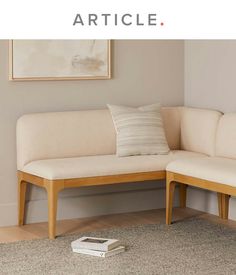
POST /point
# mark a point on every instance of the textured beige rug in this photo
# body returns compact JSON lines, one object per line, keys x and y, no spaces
{"x":193,"y":246}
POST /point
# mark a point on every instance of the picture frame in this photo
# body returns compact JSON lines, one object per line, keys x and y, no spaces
{"x":42,"y":60}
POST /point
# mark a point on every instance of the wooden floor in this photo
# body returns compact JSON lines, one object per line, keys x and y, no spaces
{"x":39,"y":230}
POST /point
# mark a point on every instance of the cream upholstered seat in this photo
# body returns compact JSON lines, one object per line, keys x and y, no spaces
{"x":216,"y":172}
{"x":221,"y":167}
{"x":55,"y":135}
{"x":216,"y":169}
{"x":103,"y":165}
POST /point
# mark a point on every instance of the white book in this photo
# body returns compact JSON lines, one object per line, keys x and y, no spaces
{"x":103,"y":254}
{"x":100,"y":244}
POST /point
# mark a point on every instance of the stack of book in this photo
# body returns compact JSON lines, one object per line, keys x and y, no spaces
{"x":97,"y":246}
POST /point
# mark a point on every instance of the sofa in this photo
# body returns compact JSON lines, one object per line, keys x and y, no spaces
{"x":214,"y":134}
{"x":72,"y":149}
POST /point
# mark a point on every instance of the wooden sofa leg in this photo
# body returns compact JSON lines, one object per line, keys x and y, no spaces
{"x":225,"y":206}
{"x":219,"y":197}
{"x":170,"y":188}
{"x":182,"y":195}
{"x":53,"y":187}
{"x":21,"y":198}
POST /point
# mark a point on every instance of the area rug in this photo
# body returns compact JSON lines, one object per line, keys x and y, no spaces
{"x":193,"y":246}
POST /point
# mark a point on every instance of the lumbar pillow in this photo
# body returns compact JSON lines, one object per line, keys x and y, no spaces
{"x":139,"y":130}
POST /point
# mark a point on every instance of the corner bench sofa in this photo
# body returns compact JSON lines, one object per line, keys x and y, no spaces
{"x":216,"y":172}
{"x":72,"y":149}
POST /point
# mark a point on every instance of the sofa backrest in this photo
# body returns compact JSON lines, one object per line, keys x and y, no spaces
{"x":171,"y":121}
{"x":64,"y":134}
{"x":198,"y":130}
{"x":79,"y":133}
{"x":226,"y":136}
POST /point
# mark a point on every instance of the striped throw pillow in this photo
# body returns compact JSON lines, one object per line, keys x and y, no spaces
{"x":139,"y":130}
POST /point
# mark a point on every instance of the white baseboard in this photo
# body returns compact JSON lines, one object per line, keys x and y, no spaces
{"x":89,"y":205}
{"x":206,"y":201}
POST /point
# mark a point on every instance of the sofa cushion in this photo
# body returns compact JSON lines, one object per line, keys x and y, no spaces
{"x":198,"y":130}
{"x":219,"y":170}
{"x":92,"y":166}
{"x":139,"y":131}
{"x":226,"y":136}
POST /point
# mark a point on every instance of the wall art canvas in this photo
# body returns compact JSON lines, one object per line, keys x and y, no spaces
{"x":59,"y":59}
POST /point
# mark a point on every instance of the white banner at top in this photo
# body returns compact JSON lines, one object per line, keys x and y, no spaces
{"x":103,"y":19}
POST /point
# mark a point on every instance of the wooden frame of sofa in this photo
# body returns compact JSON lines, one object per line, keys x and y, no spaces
{"x":223,"y":192}
{"x":54,"y":186}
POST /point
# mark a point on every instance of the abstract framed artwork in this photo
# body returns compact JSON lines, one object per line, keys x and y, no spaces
{"x":59,"y":59}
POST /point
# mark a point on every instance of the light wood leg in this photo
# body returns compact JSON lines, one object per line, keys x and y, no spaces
{"x":21,"y":199}
{"x":170,"y":188}
{"x":225,"y":206}
{"x":182,"y":195}
{"x":219,"y":196}
{"x":53,"y":187}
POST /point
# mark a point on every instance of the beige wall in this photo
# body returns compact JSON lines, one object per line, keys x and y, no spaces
{"x":143,"y":72}
{"x":210,"y":82}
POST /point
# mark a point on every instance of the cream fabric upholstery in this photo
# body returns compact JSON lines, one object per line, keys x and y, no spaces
{"x":226,"y":136}
{"x":74,"y":134}
{"x":64,"y":134}
{"x":171,"y":121}
{"x":219,"y":170}
{"x":91,"y":166}
{"x":198,"y":130}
